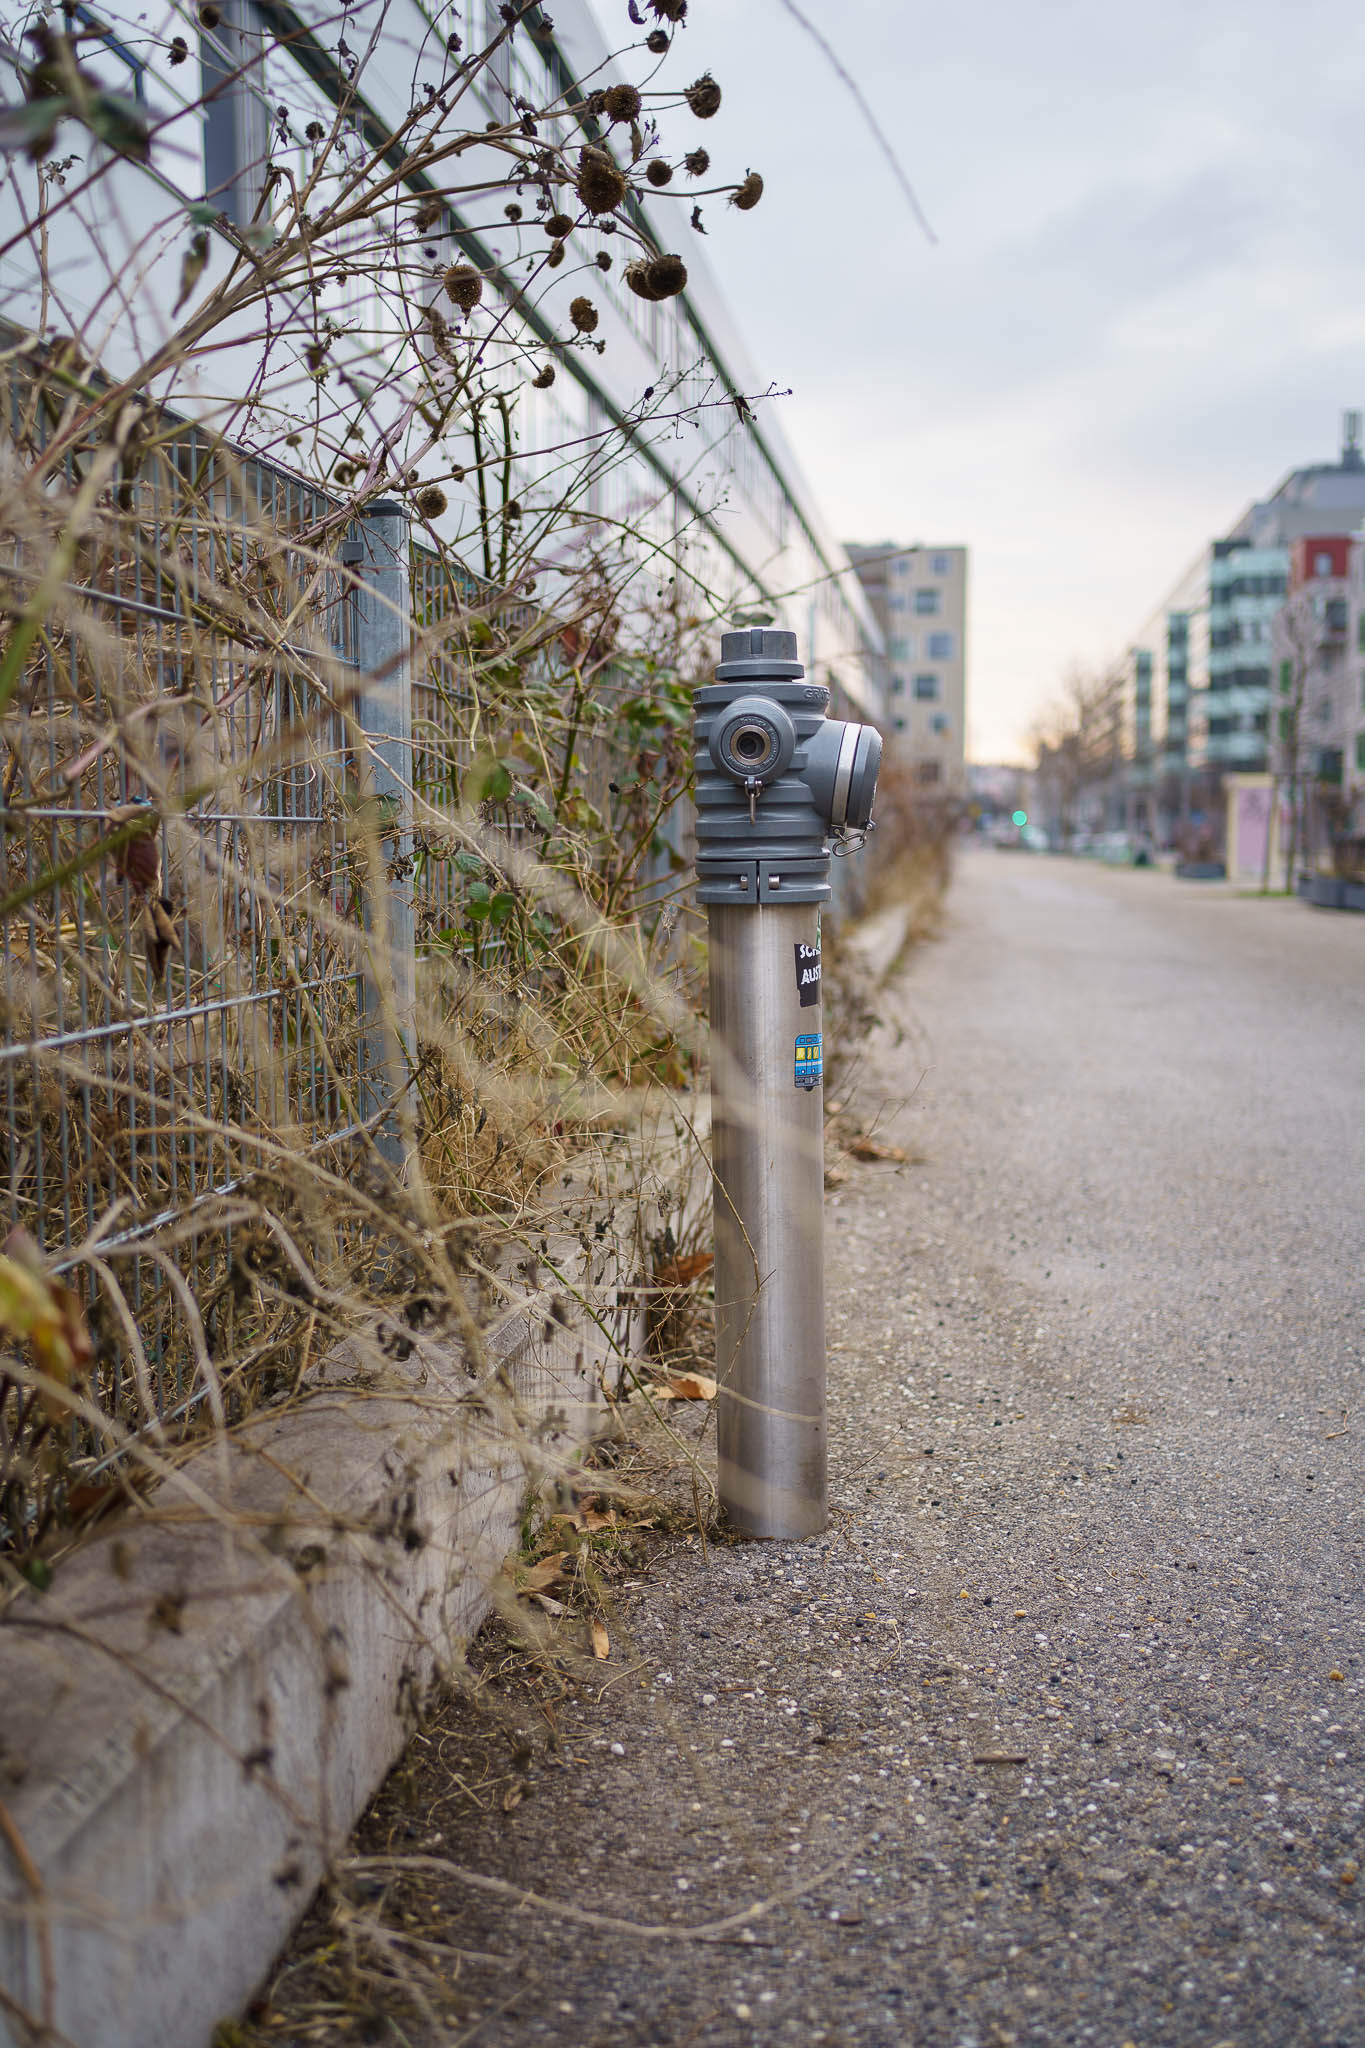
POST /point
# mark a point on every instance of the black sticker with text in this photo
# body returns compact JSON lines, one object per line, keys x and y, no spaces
{"x":808,"y":974}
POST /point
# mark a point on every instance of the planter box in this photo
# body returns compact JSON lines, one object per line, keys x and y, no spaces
{"x":1355,"y":896}
{"x":1201,"y":871}
{"x":1327,"y":892}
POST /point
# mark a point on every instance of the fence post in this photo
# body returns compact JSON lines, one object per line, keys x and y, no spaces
{"x":383,"y":706}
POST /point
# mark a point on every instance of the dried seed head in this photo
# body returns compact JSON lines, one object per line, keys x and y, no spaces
{"x":658,"y":172}
{"x":603,"y":260}
{"x":179,"y":50}
{"x":558,"y":225}
{"x":210,"y":15}
{"x":696,"y":163}
{"x":555,"y":257}
{"x":622,"y":102}
{"x":314,"y":132}
{"x":703,"y":97}
{"x":428,"y":213}
{"x":513,"y":211}
{"x":464,"y":286}
{"x":656,"y":42}
{"x":545,"y":379}
{"x":747,"y":195}
{"x":583,"y":313}
{"x":431,"y":502}
{"x":657,"y":277}
{"x":668,"y":10}
{"x":601,"y":184}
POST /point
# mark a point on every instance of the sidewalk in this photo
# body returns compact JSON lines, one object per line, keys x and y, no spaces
{"x":1054,"y":1736}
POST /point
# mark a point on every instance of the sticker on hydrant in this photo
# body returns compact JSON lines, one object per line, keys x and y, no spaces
{"x":809,"y":1065}
{"x":808,"y":974}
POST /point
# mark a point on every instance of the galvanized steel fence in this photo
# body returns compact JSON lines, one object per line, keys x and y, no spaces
{"x":193,"y":962}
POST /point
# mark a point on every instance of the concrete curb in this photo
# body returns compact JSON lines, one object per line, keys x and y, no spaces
{"x":196,"y":1712}
{"x":877,"y":941}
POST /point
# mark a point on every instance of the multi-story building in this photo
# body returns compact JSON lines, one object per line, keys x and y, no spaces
{"x":1198,"y":689}
{"x":1315,"y":654}
{"x":918,"y":597}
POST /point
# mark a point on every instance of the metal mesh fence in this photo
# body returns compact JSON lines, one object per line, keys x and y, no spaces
{"x":176,"y":990}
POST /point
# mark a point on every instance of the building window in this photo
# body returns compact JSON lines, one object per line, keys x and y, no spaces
{"x":940,"y":647}
{"x":1322,"y":565}
{"x":1284,"y":723}
{"x":926,"y":689}
{"x":942,"y":565}
{"x":1286,"y":677}
{"x":940,"y":723}
{"x":927,"y":771}
{"x":898,"y":686}
{"x":901,"y":565}
{"x":896,"y":604}
{"x":899,"y":648}
{"x":926,"y":603}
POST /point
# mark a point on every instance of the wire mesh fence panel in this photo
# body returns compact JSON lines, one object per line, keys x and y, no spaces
{"x":462,"y":913}
{"x":177,"y":987}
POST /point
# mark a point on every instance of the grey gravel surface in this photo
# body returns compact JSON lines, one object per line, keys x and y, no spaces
{"x":1063,"y":1715}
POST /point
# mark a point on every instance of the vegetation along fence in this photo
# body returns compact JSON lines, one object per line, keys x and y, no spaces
{"x":265,"y":940}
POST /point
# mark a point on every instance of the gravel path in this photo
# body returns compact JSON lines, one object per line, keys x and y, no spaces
{"x":1063,"y":1716}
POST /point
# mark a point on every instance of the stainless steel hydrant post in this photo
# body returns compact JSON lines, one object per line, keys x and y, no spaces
{"x":777,"y":781}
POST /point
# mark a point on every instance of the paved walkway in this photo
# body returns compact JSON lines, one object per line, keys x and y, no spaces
{"x":1057,"y":1736}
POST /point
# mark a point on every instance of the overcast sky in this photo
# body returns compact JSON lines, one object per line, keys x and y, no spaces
{"x":1146,"y":301}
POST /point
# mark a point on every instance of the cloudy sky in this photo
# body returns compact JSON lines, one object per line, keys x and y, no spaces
{"x":1146,"y":301}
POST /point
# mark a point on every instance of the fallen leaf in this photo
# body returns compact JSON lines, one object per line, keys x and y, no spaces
{"x":835,"y":1176}
{"x":548,"y":1602}
{"x":876,"y":1148}
{"x":686,"y":1386}
{"x":601,"y":1642}
{"x":514,"y":1795}
{"x":1339,"y":1676}
{"x":534,"y":1578}
{"x":682,"y":1271}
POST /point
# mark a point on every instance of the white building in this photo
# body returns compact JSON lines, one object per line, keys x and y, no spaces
{"x":918,"y":596}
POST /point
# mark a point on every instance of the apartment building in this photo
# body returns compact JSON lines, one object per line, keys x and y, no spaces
{"x":918,"y":597}
{"x":1199,"y":687}
{"x":1318,"y":657}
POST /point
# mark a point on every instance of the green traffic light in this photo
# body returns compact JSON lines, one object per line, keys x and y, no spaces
{"x":1020,"y":818}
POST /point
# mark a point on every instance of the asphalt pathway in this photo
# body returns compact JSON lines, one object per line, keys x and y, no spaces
{"x":1056,"y":1736}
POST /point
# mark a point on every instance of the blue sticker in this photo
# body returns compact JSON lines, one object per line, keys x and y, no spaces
{"x":810,"y":1066}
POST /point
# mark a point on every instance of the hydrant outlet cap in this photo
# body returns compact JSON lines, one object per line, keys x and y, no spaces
{"x":758,"y":651}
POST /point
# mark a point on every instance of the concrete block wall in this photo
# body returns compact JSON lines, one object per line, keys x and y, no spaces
{"x":199,"y":1708}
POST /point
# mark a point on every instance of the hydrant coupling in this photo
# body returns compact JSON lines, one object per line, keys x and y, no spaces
{"x":778,"y":782}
